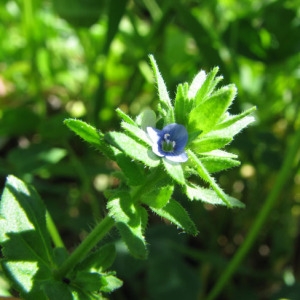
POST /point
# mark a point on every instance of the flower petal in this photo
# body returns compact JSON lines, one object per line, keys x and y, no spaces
{"x":157,"y":150}
{"x":182,"y":157}
{"x":154,"y":134}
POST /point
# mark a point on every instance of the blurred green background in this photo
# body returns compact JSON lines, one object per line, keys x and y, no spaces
{"x":85,"y":58}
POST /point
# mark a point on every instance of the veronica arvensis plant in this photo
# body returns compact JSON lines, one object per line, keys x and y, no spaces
{"x":186,"y":136}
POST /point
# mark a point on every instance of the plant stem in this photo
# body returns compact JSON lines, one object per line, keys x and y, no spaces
{"x":84,"y":248}
{"x":53,"y":231}
{"x":281,"y":179}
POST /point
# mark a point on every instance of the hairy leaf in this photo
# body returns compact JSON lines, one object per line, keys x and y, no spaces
{"x":158,"y":197}
{"x":24,"y":238}
{"x":99,"y":260}
{"x":132,"y":148}
{"x":183,"y":104}
{"x":216,"y":163}
{"x":231,"y":119}
{"x":130,"y":220}
{"x":207,"y":86}
{"x":204,"y":174}
{"x":195,"y":192}
{"x":137,"y":133}
{"x":196,"y":84}
{"x":125,"y":117}
{"x":109,"y":283}
{"x":133,"y":171}
{"x":174,"y":170}
{"x":166,"y":107}
{"x":210,"y":142}
{"x":177,"y":215}
{"x":206,"y":115}
{"x":91,"y":135}
{"x":234,"y":128}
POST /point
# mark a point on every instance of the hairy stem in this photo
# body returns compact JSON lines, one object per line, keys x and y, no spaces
{"x":85,"y":247}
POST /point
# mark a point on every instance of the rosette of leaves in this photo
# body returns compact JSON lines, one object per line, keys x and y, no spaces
{"x":147,"y":175}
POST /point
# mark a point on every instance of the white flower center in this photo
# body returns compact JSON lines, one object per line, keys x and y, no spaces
{"x":166,"y":144}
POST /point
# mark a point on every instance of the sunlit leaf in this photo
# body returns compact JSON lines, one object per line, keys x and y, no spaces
{"x":208,"y":86}
{"x":204,"y":174}
{"x":177,"y":215}
{"x":130,"y":220}
{"x":125,"y":117}
{"x":183,"y":104}
{"x":210,"y":142}
{"x":24,"y":238}
{"x":217,"y":163}
{"x":174,"y":170}
{"x":205,"y":116}
{"x":195,"y":192}
{"x":165,"y":102}
{"x":137,"y":133}
{"x":158,"y":197}
{"x":90,"y":134}
{"x":99,"y":260}
{"x":132,"y":148}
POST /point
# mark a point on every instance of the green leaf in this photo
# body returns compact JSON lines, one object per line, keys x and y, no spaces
{"x":125,"y":117}
{"x":205,"y":116}
{"x":109,"y":283}
{"x":99,"y":260}
{"x":24,"y":238}
{"x":231,"y":119}
{"x":132,"y":148}
{"x":196,"y":84}
{"x":216,"y":163}
{"x":158,"y":197}
{"x":174,"y":170}
{"x":220,"y":153}
{"x":177,"y":215}
{"x":90,"y":134}
{"x":183,"y":104}
{"x":234,"y":128}
{"x":210,"y":142}
{"x":203,"y":173}
{"x":146,"y":118}
{"x":195,"y":192}
{"x":137,"y":133}
{"x":208,"y":86}
{"x":56,"y":290}
{"x":165,"y":107}
{"x":134,"y":173}
{"x":162,"y":89}
{"x":130,"y":220}
{"x":87,"y":282}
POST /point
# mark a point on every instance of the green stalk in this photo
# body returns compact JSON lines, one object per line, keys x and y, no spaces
{"x":281,"y":179}
{"x":57,"y":241}
{"x":85,"y":247}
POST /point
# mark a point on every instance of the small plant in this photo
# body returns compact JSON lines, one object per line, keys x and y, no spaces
{"x":177,"y":145}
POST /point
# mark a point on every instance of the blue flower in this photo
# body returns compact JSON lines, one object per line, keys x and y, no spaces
{"x":169,"y":142}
